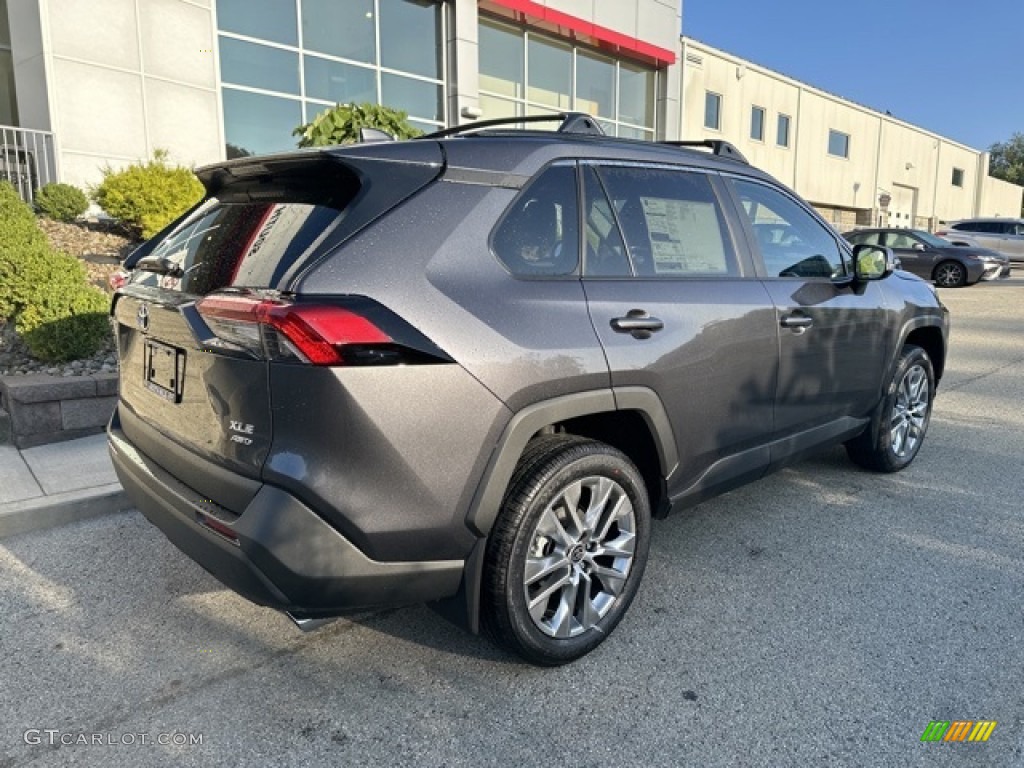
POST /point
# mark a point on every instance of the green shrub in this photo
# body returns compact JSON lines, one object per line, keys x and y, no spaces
{"x":58,"y":315}
{"x":61,"y":202}
{"x":340,"y":125}
{"x":149,"y":196}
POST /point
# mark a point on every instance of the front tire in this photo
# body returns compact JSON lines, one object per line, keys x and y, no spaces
{"x":567,"y":552}
{"x":950,"y":274}
{"x":901,"y":420}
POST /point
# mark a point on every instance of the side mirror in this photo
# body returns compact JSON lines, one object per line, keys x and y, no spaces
{"x":918,"y":246}
{"x":873,"y":262}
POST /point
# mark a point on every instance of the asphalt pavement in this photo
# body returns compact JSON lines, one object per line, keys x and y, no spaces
{"x":823,"y":616}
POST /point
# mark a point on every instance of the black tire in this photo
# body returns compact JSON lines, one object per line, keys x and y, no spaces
{"x":900,"y":421}
{"x":950,"y":274}
{"x":588,"y":590}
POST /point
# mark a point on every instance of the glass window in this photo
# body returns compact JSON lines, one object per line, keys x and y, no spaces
{"x":636,"y":95}
{"x":344,"y":29}
{"x":494,"y":107}
{"x":416,"y":97}
{"x":870,"y":238}
{"x":339,"y":83}
{"x":266,"y":19}
{"x":595,"y":85}
{"x":712,"y":111}
{"x":757,"y":123}
{"x":782,"y":131}
{"x":256,"y":124}
{"x":258,"y":66}
{"x":900,"y":240}
{"x":8,"y":100}
{"x":958,"y":177}
{"x":672,"y":223}
{"x":838,"y":144}
{"x":605,"y":254}
{"x":409,"y":34}
{"x":550,"y":75}
{"x":501,"y":61}
{"x":793,"y":243}
{"x":539,"y":235}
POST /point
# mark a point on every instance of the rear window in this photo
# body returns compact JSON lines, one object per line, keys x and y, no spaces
{"x":252,"y":245}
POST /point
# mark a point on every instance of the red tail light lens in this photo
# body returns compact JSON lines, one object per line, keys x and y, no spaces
{"x":316,"y":334}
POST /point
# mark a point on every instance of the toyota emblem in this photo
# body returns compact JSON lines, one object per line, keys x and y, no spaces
{"x":142,"y":316}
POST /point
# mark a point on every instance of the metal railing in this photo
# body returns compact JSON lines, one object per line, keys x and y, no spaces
{"x":27,"y":160}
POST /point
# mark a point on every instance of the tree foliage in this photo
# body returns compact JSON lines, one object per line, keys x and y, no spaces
{"x":341,"y":123}
{"x":1007,"y":160}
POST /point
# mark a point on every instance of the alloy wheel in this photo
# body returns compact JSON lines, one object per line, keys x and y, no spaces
{"x":910,"y":412}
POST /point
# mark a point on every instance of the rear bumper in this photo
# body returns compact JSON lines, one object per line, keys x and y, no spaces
{"x":278,"y":552}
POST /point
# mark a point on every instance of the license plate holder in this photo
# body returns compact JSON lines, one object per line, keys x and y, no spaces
{"x":164,"y":372}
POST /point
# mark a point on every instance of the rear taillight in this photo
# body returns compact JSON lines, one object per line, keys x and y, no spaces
{"x":279,"y":330}
{"x":118,"y":279}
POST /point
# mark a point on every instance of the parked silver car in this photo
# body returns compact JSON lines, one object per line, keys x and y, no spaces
{"x":1003,"y":235}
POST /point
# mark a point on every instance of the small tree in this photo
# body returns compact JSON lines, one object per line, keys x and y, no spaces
{"x":1007,"y":161}
{"x":341,"y":124}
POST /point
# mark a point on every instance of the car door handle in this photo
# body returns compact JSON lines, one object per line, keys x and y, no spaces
{"x":638,"y":323}
{"x":797,"y":321}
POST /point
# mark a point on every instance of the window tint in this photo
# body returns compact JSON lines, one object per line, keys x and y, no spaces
{"x":712,"y":110}
{"x":605,"y":254}
{"x":539,"y":235}
{"x":867,"y":238}
{"x":978,"y":226}
{"x":792,"y":242}
{"x":268,"y":19}
{"x":249,"y":245}
{"x":672,"y":223}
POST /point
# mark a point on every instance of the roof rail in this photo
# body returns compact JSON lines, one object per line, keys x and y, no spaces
{"x":571,"y":122}
{"x":717,"y":146}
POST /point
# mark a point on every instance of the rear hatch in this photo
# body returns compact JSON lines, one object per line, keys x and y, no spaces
{"x":207,"y":308}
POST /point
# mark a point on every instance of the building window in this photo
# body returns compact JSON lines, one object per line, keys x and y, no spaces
{"x":838,"y":144}
{"x":782,"y":131}
{"x":712,"y":111}
{"x":283,"y":62}
{"x":8,"y":102}
{"x":958,"y":177}
{"x":757,"y":123}
{"x":526,"y":73}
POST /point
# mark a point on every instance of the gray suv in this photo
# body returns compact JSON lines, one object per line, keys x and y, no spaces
{"x":1003,"y":235}
{"x":468,"y":369}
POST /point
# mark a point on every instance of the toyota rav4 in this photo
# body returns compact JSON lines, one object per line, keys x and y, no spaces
{"x":469,"y":368}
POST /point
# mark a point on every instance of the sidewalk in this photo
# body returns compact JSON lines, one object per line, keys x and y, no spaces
{"x":56,"y":484}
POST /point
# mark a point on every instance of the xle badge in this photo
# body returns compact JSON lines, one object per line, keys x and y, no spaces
{"x":242,"y":431}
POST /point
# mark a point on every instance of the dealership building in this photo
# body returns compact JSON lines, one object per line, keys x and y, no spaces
{"x":85,"y":85}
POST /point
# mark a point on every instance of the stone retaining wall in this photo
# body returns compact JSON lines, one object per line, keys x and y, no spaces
{"x":40,"y":409}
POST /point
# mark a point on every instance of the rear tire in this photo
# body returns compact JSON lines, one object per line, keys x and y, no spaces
{"x":568,"y":550}
{"x":900,"y":421}
{"x":950,"y":274}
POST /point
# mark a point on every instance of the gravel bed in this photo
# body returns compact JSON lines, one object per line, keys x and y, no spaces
{"x":101,"y":247}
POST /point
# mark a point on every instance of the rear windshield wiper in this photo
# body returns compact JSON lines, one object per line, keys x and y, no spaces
{"x":160,"y":265}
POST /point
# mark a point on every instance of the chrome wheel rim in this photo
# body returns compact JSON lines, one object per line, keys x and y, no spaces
{"x":949,"y":275}
{"x":909,"y":412}
{"x":579,"y":557}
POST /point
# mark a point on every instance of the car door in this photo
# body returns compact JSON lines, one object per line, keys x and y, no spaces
{"x":834,"y":334}
{"x":680,"y":313}
{"x":913,"y":254}
{"x":1013,"y":244}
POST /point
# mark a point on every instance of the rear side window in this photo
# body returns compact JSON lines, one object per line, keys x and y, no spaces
{"x":539,"y":235}
{"x":671,"y":221}
{"x":252,"y":245}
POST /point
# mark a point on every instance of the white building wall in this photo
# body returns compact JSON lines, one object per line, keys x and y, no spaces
{"x":123,"y":78}
{"x":914,"y":167}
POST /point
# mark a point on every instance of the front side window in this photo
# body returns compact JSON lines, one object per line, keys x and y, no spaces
{"x":793,"y":243}
{"x":671,"y":222}
{"x":868,"y":238}
{"x":712,"y":111}
{"x":757,"y":123}
{"x":539,"y":235}
{"x":838,"y":144}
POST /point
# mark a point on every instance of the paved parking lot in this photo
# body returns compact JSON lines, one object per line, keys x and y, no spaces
{"x":820,"y":617}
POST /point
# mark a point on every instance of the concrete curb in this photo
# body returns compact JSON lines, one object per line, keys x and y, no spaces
{"x":61,"y":509}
